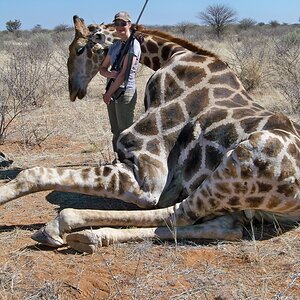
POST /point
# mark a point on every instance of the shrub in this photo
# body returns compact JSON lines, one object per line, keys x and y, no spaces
{"x":27,"y":78}
{"x":249,"y":60}
{"x":286,"y":67}
{"x":246,"y":23}
{"x":13,"y":26}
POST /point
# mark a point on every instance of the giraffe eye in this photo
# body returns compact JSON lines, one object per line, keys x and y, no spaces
{"x":80,"y":50}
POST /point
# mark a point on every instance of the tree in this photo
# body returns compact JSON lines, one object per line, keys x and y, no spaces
{"x":246,"y":23}
{"x":13,"y":26}
{"x":37,"y":28}
{"x":61,"y":28}
{"x":274,"y":23}
{"x":183,"y":27}
{"x":218,"y":17}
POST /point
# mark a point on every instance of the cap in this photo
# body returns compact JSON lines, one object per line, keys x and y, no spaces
{"x":122,"y":15}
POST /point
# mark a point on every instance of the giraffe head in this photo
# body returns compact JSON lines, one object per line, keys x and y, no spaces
{"x":91,"y":43}
{"x":86,"y":53}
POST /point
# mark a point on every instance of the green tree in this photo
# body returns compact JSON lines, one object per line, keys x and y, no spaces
{"x":218,"y":17}
{"x":13,"y":26}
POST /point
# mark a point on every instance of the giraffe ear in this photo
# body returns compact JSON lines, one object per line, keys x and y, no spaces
{"x":80,"y":28}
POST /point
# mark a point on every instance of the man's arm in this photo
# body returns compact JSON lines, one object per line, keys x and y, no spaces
{"x":119,"y":79}
{"x":104,"y":68}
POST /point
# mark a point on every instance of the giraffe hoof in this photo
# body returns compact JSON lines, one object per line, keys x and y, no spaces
{"x":42,"y":237}
{"x":83,"y":241}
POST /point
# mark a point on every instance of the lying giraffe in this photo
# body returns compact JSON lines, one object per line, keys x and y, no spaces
{"x":202,"y":152}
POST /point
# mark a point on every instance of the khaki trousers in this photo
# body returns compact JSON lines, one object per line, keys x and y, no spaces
{"x":121,"y":113}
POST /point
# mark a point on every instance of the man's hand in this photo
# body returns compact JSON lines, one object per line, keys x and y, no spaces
{"x":107,"y":98}
{"x":113,"y":74}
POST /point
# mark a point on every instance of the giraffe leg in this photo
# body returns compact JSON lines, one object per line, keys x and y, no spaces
{"x":69,"y":219}
{"x":221,"y":228}
{"x":116,"y":181}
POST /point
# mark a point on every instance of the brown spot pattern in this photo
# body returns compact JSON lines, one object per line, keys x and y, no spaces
{"x":225,"y":135}
{"x":246,"y":172}
{"x":272,"y":147}
{"x":265,"y":168}
{"x":190,"y":76}
{"x":155,"y":63}
{"x":130,"y":141}
{"x":273,"y":202}
{"x":213,"y":157}
{"x":223,"y":187}
{"x":147,"y":126}
{"x":196,"y":101}
{"x":152,"y":47}
{"x":192,"y":162}
{"x":240,"y":188}
{"x":154,"y":146}
{"x":239,"y":113}
{"x":264,"y":187}
{"x":234,"y":201}
{"x":191,"y":57}
{"x":225,"y":79}
{"x":217,"y":66}
{"x":254,"y":201}
{"x":172,"y":90}
{"x":240,"y":100}
{"x":106,"y":171}
{"x":287,"y":169}
{"x":171,"y":116}
{"x":112,"y":183}
{"x":212,"y":116}
{"x":250,"y":124}
{"x":146,"y":61}
{"x":243,"y":153}
{"x":222,"y":93}
{"x":289,"y":190}
{"x":279,"y":121}
{"x":165,"y":52}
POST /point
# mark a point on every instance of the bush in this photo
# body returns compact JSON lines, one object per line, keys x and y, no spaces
{"x":27,"y":78}
{"x":286,"y":67}
{"x":246,"y":23}
{"x":13,"y":26}
{"x":249,"y":60}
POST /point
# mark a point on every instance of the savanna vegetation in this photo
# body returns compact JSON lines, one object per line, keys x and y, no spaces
{"x":33,"y":66}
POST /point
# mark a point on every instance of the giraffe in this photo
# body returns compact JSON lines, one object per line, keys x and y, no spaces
{"x":203,"y":159}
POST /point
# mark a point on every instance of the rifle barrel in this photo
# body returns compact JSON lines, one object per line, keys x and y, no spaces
{"x":141,"y":12}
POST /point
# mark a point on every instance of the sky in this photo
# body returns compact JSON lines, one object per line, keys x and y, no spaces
{"x":50,"y":13}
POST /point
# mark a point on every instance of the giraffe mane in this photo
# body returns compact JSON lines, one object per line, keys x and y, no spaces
{"x":181,"y":42}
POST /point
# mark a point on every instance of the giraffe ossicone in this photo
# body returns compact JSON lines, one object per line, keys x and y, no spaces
{"x":203,"y":151}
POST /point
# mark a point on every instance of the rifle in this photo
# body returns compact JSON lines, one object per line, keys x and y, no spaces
{"x":117,"y":65}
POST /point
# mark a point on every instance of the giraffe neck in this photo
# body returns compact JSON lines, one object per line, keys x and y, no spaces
{"x":158,"y":47}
